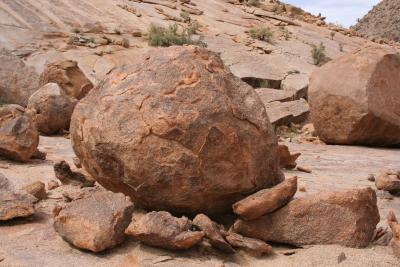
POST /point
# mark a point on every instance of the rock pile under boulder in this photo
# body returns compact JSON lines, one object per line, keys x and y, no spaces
{"x":96,"y":222}
{"x":355,"y":98}
{"x":53,"y":109}
{"x":183,"y":134}
{"x":19,"y":138}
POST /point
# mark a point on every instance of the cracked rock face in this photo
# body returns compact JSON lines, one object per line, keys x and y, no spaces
{"x":177,"y":131}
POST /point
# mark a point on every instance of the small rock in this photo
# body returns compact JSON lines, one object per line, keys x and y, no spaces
{"x":212,"y":232}
{"x":67,"y":176}
{"x":395,"y":226}
{"x":12,"y":204}
{"x":287,"y":160}
{"x":95,"y":223}
{"x":253,"y":246}
{"x":266,"y":201}
{"x":388,"y":181}
{"x":289,"y":253}
{"x":304,"y":169}
{"x":302,"y":189}
{"x":53,"y":184}
{"x":37,"y":189}
{"x":371,"y":178}
{"x":341,"y":258}
{"x":39,"y":155}
{"x":161,"y":229}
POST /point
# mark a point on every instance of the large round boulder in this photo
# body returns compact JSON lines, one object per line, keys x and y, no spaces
{"x":19,"y":138}
{"x":355,"y":99}
{"x":53,"y":109}
{"x":176,"y":131}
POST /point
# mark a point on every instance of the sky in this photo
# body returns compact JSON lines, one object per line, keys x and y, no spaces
{"x":344,"y":12}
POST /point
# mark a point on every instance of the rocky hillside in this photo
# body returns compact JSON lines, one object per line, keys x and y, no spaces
{"x":382,"y":21}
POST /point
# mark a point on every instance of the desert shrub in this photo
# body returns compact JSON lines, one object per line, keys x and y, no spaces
{"x":253,"y":2}
{"x":286,"y":34}
{"x":186,"y":16}
{"x":261,"y":33}
{"x":318,"y":54}
{"x":160,"y":36}
{"x":193,"y":27}
{"x":332,"y":34}
{"x":278,"y":9}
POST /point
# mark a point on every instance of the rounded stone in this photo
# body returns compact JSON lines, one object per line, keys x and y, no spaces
{"x":177,"y":131}
{"x":53,"y":109}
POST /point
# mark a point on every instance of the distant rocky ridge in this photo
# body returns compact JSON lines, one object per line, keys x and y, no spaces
{"x":383,"y":21}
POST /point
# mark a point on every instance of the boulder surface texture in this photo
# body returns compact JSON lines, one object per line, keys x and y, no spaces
{"x":355,"y":98}
{"x":177,"y":131}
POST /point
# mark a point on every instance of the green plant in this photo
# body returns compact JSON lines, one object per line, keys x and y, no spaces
{"x":193,"y":27}
{"x":261,"y":33}
{"x":160,"y":36}
{"x":278,"y":9}
{"x":186,"y":16}
{"x":286,"y":34}
{"x":318,"y":54}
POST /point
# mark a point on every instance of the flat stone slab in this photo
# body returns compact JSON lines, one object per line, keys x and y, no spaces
{"x":284,"y":113}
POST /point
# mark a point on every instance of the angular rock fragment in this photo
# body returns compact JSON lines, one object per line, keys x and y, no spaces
{"x":314,"y":220}
{"x":17,"y":81}
{"x":287,"y":160}
{"x":95,"y":223}
{"x":18,"y":135}
{"x":53,"y":109}
{"x":285,"y":113}
{"x":253,"y":246}
{"x":12,"y":204}
{"x":161,"y":229}
{"x":395,"y":226}
{"x":64,"y":173}
{"x":354,"y":98}
{"x":37,"y":189}
{"x":68,"y":76}
{"x":212,"y":232}
{"x":187,"y":136}
{"x":53,"y":184}
{"x":267,"y":200}
{"x":268,"y":95}
{"x":388,"y":181}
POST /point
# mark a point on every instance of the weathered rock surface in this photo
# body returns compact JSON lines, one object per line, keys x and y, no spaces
{"x":66,"y":176}
{"x":268,"y":95}
{"x":284,"y":113}
{"x":68,"y":76}
{"x":95,"y":223}
{"x":212,"y":232}
{"x":296,"y":84}
{"x":315,"y":220}
{"x":287,"y":160}
{"x":266,"y":201}
{"x":53,"y":109}
{"x":37,"y":189}
{"x":12,"y":204}
{"x":19,"y":138}
{"x":253,"y":246}
{"x":161,"y":229}
{"x":186,"y":136}
{"x":362,"y":106}
{"x":17,"y":81}
{"x":395,"y":226}
{"x":388,"y":181}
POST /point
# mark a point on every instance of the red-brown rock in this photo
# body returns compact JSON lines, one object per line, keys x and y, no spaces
{"x":161,"y":229}
{"x":395,"y":226}
{"x":355,"y":98}
{"x":177,"y":131}
{"x":19,"y":138}
{"x":388,"y":181}
{"x":17,"y":81}
{"x":96,"y":222}
{"x":253,"y":246}
{"x":266,"y":201}
{"x":68,"y":76}
{"x":53,"y":109}
{"x":287,"y":160}
{"x":347,"y":218}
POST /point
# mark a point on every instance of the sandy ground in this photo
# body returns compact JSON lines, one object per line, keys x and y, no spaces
{"x":33,"y":242}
